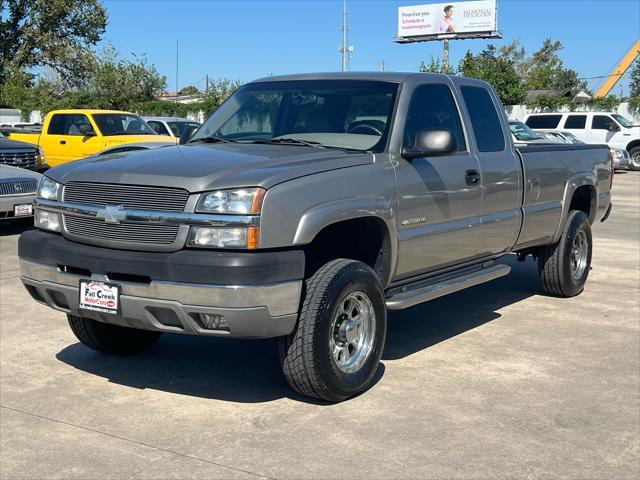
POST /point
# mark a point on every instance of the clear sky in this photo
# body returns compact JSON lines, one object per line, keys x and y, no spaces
{"x":249,"y":39}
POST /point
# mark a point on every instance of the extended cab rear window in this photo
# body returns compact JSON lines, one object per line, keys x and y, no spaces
{"x":576,"y":121}
{"x":543,"y":121}
{"x":484,"y":119}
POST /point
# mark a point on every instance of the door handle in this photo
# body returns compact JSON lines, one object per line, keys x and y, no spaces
{"x":63,"y":142}
{"x":472,"y":177}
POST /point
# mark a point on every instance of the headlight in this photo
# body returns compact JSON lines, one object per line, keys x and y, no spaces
{"x":40,"y":156}
{"x":46,"y":220}
{"x":617,"y":153}
{"x":215,"y":237}
{"x":48,"y":189}
{"x":238,"y":201}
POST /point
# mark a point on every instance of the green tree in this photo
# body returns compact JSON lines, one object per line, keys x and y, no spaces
{"x":545,"y":70}
{"x":436,"y":66}
{"x":189,"y":90}
{"x":496,"y":70}
{"x":634,"y":88}
{"x":49,"y":33}
{"x":219,"y":90}
{"x":121,"y":84}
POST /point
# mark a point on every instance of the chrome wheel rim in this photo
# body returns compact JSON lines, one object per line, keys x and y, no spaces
{"x":352,"y":332}
{"x":579,"y":254}
{"x":635,"y":159}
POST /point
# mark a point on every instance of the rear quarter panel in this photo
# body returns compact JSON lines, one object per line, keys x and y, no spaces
{"x":552,"y":173}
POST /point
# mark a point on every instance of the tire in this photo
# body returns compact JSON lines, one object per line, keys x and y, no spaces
{"x":634,"y":154}
{"x":317,"y":357}
{"x":112,"y":339}
{"x":562,"y":274}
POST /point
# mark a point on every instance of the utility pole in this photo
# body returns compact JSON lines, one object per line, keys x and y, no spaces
{"x":345,"y":49}
{"x":206,"y":84}
{"x":445,"y":56}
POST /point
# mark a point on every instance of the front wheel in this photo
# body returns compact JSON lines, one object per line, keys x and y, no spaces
{"x":564,"y":266}
{"x":335,"y":349}
{"x":634,"y":154}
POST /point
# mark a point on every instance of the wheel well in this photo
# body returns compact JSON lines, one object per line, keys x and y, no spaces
{"x":364,"y":239}
{"x":584,"y":199}
{"x":633,"y":144}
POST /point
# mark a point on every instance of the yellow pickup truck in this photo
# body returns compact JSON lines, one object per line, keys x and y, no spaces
{"x":69,"y":135}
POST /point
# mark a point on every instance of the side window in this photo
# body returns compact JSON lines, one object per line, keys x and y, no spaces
{"x":433,"y":107}
{"x":602,"y":122}
{"x":158,"y":127}
{"x":576,"y":121}
{"x":74,"y":125}
{"x":484,"y":119}
{"x":57,"y":123}
{"x":543,"y":121}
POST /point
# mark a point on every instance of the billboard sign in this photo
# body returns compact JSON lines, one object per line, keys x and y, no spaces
{"x":448,"y":20}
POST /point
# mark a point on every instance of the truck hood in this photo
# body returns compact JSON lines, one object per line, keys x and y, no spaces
{"x":198,"y":168}
{"x":7,"y":143}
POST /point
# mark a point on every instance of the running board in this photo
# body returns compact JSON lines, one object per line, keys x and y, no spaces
{"x":420,"y":294}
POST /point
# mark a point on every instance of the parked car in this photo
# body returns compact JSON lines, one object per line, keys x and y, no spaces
{"x":132,"y":147}
{"x":619,"y":155}
{"x":20,"y":154}
{"x":69,"y":135}
{"x":171,"y":126}
{"x":523,"y":134}
{"x":561,"y":136}
{"x":621,"y":158}
{"x":304,"y":208}
{"x":594,"y":127}
{"x":17,"y":192}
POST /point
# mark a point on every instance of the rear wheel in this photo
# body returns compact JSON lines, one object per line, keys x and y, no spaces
{"x":634,"y":153}
{"x":335,"y":350}
{"x":564,"y":266}
{"x":112,"y":339}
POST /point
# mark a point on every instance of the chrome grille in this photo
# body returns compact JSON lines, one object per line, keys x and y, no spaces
{"x":123,"y":232}
{"x":128,"y":196}
{"x":20,"y":158}
{"x":15,"y":187}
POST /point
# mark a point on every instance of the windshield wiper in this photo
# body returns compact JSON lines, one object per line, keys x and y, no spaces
{"x":212,"y":139}
{"x":289,"y":141}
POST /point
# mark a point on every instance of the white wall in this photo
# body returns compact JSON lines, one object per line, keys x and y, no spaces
{"x":517,"y":112}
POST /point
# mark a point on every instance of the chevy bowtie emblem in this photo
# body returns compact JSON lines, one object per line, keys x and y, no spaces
{"x":112,"y":214}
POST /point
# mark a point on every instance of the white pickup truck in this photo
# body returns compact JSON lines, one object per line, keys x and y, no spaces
{"x":593,"y":127}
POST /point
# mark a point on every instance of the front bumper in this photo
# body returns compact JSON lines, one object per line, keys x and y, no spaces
{"x":257,"y":293}
{"x":7,"y":205}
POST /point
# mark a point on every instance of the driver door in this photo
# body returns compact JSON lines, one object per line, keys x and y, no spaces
{"x":439,"y":207}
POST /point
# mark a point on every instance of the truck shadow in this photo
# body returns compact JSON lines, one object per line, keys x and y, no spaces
{"x":248,"y":371}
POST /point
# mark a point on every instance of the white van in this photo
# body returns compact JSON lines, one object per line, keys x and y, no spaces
{"x":593,"y":127}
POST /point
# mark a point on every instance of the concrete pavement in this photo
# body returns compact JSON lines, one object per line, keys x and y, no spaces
{"x":496,"y":381}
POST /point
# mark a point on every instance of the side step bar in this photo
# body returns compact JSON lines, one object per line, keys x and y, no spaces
{"x":423,"y":293}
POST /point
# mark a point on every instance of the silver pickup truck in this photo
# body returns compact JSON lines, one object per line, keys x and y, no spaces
{"x":304,"y":208}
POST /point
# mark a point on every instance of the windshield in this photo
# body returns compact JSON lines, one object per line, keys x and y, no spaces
{"x":623,"y":121}
{"x":572,"y":138}
{"x":178,"y":127}
{"x":122,"y":124}
{"x":522,"y":132}
{"x":348,"y":114}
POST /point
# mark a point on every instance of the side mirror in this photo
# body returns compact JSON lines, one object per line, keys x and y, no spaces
{"x":431,"y":143}
{"x":86,"y":130}
{"x":186,"y":134}
{"x":613,"y":127}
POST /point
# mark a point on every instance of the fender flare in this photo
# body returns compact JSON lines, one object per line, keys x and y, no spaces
{"x":325,"y":214}
{"x":575,"y":182}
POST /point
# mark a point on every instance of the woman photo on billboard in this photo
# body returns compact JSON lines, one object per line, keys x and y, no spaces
{"x":445,"y":24}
